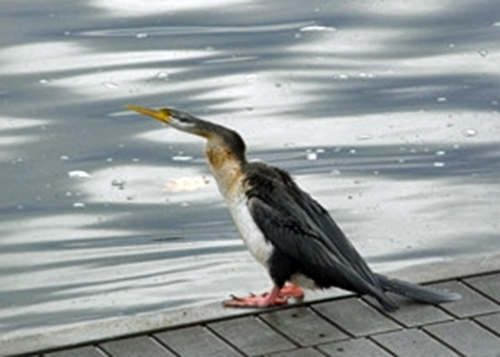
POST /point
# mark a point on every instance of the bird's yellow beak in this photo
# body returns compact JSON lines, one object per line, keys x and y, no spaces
{"x":162,"y":115}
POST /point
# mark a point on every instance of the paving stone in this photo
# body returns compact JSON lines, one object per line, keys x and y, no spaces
{"x":301,"y":352}
{"x":251,"y":335}
{"x":353,"y":348}
{"x":467,"y":337}
{"x":413,"y":314}
{"x":488,"y":284}
{"x":142,"y":346}
{"x":413,"y":343}
{"x":303,"y":326}
{"x":86,"y":351}
{"x":492,"y":322}
{"x":471,"y":304}
{"x":356,"y":316}
{"x":195,"y":341}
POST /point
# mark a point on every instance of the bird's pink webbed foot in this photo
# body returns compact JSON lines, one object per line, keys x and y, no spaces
{"x":292,"y":291}
{"x":275,"y":297}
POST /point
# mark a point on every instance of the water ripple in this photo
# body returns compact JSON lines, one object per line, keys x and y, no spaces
{"x":144,"y":32}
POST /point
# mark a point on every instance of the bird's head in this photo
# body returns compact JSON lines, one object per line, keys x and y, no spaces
{"x":217,"y":135}
{"x":176,"y":119}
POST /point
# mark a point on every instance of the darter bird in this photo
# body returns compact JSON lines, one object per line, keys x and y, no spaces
{"x":284,"y":228}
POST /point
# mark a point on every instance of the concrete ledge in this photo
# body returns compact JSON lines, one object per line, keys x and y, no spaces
{"x":131,"y":325}
{"x":458,"y":268}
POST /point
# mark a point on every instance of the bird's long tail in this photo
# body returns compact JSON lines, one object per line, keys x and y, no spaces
{"x":419,"y":293}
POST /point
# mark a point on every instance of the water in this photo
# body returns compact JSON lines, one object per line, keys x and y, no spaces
{"x":387,"y":112}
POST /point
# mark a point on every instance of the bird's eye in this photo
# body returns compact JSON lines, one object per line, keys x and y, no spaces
{"x":184,"y":121}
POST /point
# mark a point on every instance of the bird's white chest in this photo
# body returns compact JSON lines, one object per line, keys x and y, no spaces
{"x":230,"y":182}
{"x":250,"y":233}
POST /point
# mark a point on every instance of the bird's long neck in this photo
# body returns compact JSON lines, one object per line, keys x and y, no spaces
{"x":226,"y":164}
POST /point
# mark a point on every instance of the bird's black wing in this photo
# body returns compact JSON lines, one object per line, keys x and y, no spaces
{"x":334,"y":238}
{"x":277,"y":189}
{"x":300,"y":228}
{"x":307,"y":250}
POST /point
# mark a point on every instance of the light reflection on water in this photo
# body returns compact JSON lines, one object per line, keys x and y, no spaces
{"x":387,"y":113}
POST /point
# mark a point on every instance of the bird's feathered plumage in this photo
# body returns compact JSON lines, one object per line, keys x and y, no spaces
{"x":304,"y":234}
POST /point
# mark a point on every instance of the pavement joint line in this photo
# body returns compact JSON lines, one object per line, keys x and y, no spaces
{"x":435,"y":338}
{"x":347,"y":333}
{"x":486,"y":327}
{"x":443,"y":342}
{"x":160,"y":342}
{"x":222,"y":338}
{"x":479,"y":291}
{"x":379,"y":344}
{"x":278,"y":331}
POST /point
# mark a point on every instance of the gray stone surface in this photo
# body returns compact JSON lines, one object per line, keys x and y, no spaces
{"x":303,"y":326}
{"x":355,"y":316}
{"x":467,"y":337}
{"x":491,"y":322}
{"x":487,"y":284}
{"x":195,"y":341}
{"x":301,"y":352}
{"x":413,"y":343}
{"x":472,"y":302}
{"x":87,"y":351}
{"x":354,"y":348}
{"x":413,"y":314}
{"x":251,"y":336}
{"x":143,"y":346}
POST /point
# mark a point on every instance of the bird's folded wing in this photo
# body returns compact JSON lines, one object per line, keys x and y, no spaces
{"x":295,"y":239}
{"x":333,"y":237}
